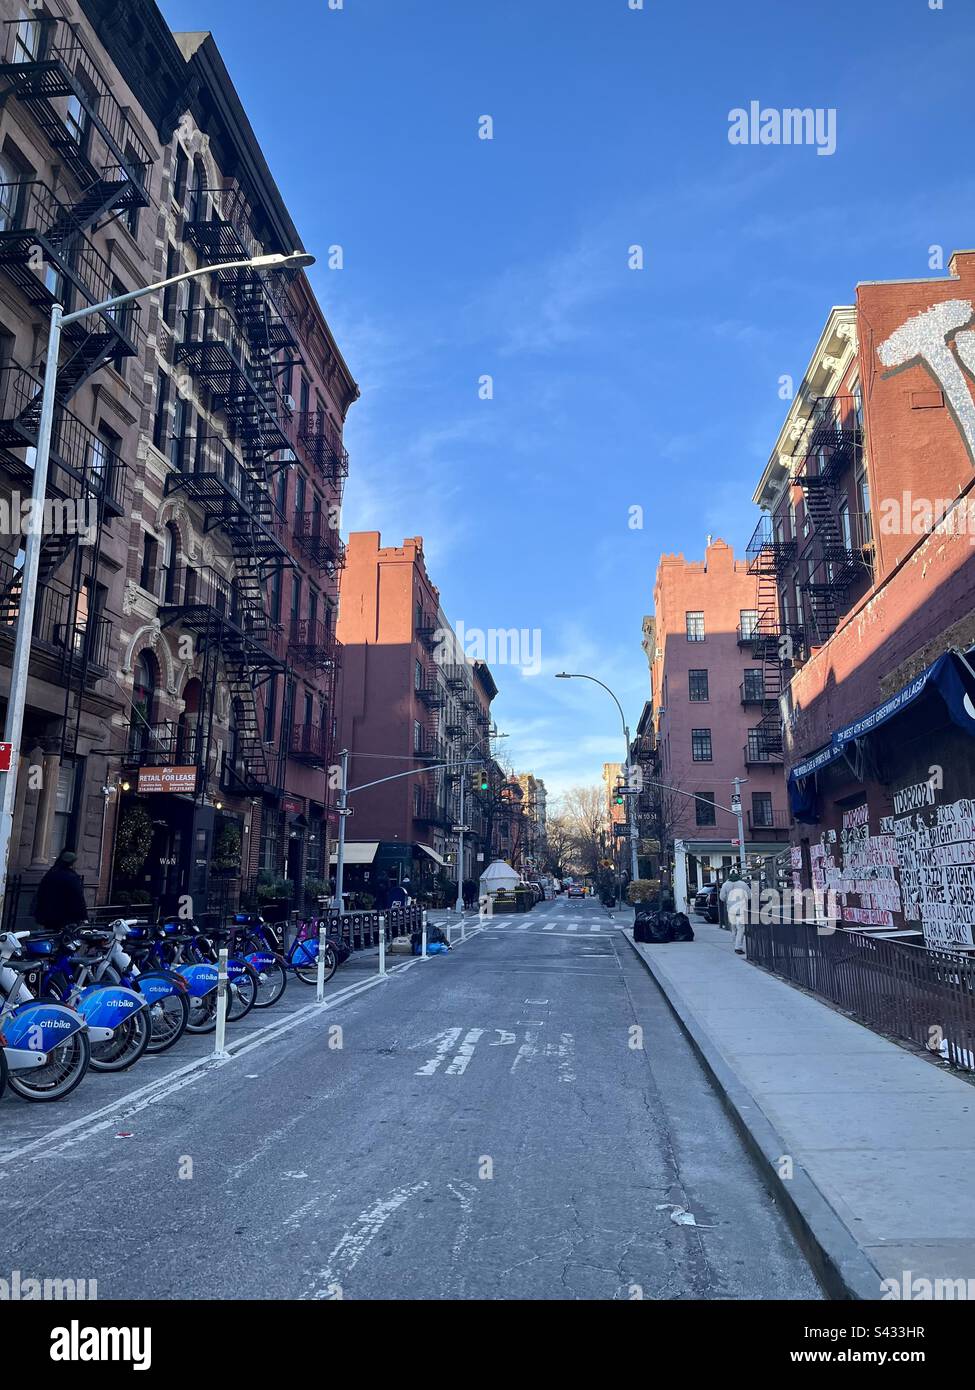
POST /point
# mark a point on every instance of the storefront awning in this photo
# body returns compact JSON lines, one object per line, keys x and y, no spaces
{"x":357,"y":852}
{"x":949,"y":676}
{"x":437,"y":858}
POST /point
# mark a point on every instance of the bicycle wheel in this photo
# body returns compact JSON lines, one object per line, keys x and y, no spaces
{"x":126,"y":1046}
{"x":61,"y":1073}
{"x":168,"y":1017}
{"x":203,"y":1013}
{"x":272,"y":980}
{"x":241,"y":994}
{"x":304,"y":961}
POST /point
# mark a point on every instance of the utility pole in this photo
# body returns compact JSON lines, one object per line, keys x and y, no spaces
{"x":736,"y":807}
{"x":343,"y":813}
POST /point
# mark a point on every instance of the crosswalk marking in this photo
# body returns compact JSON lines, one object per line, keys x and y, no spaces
{"x":573,"y":929}
{"x":551,"y":928}
{"x":522,"y":926}
{"x":595,"y":928}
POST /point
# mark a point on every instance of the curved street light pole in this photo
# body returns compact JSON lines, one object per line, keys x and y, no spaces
{"x":630,"y":809}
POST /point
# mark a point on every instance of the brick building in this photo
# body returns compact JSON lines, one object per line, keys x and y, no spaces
{"x":868,"y":540}
{"x":709,"y":708}
{"x":410,"y":698}
{"x":181,"y":706}
{"x":91,"y":96}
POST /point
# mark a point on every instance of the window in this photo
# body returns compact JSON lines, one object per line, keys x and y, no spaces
{"x":304,"y":396}
{"x":417,"y":735}
{"x":134,"y":163}
{"x":106,"y":448}
{"x":863,"y":491}
{"x":704,"y":808}
{"x":173,"y":267}
{"x":695,"y":627}
{"x":162,"y":403}
{"x":10,"y":191}
{"x":143,"y":701}
{"x":170,"y":555}
{"x":300,"y":494}
{"x":77,"y":121}
{"x":846,"y":530}
{"x":749,"y":621}
{"x":312,"y":611}
{"x":63,"y":798}
{"x":753,"y":687}
{"x":181,"y":170}
{"x":29,"y":39}
{"x":283,"y":492}
{"x":197,"y":211}
{"x":857,"y":405}
{"x":762,"y":809}
{"x":697,"y":683}
{"x":800,"y":617}
{"x":295,"y":601}
{"x":177,"y":438}
{"x":150,"y":552}
{"x":309,"y":706}
{"x":701,"y":745}
{"x":276,"y":597}
{"x":417,"y":676}
{"x":270,"y":710}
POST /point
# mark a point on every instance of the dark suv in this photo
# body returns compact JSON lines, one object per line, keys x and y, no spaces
{"x":706,"y":902}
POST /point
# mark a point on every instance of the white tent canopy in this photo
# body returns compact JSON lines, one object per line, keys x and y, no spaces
{"x":497,"y":875}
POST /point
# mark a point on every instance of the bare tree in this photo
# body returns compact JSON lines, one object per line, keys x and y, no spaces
{"x":559,"y":843}
{"x":585,"y":811}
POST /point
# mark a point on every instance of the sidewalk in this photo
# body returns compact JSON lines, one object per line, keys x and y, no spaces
{"x":882,"y":1142}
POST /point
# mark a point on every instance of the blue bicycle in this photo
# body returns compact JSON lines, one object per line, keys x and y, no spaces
{"x":44,"y":1047}
{"x":119,"y":1026}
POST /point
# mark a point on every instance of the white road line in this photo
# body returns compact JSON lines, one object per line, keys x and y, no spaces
{"x":573,"y":929}
{"x":74,"y":1131}
{"x":551,"y":928}
{"x":464,"y":1053}
{"x":444,"y":1045}
{"x":522,"y":926}
{"x":595,"y":928}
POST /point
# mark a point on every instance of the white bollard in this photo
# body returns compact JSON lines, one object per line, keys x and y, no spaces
{"x":320,"y":986}
{"x":463,"y":929}
{"x":423,"y":936}
{"x":220,"y":1040}
{"x":382,"y":945}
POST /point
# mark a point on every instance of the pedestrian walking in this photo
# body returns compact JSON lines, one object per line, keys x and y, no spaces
{"x":60,"y":897}
{"x":733,"y":896}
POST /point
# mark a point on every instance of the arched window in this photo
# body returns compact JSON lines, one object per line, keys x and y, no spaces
{"x":188,"y":747}
{"x":197,"y":210}
{"x":143,"y":713}
{"x":170,"y":564}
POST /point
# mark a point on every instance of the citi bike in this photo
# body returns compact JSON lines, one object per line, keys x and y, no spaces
{"x":119,"y":1024}
{"x":167,"y":992}
{"x":45,"y":1046}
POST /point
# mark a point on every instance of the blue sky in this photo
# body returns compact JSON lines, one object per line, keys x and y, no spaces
{"x":613,"y":388}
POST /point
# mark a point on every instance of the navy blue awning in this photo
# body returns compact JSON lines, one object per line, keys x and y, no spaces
{"x":950,"y":676}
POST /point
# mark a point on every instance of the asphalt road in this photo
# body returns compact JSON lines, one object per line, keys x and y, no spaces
{"x":489,"y":1124}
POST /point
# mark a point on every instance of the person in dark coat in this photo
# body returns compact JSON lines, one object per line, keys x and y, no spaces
{"x":60,"y":897}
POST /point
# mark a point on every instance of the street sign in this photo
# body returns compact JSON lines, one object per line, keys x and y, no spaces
{"x":6,"y":756}
{"x":736,"y":842}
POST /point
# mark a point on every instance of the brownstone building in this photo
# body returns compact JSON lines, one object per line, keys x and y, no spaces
{"x":866,"y":560}
{"x":91,"y":95}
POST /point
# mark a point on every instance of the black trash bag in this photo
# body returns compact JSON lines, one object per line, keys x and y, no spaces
{"x":683,"y":931}
{"x":641,"y":925}
{"x":662,"y":928}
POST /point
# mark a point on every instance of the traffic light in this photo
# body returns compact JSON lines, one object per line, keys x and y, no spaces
{"x":481,"y":783}
{"x":619,"y":795}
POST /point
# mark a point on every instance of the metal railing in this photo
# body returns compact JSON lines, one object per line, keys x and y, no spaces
{"x":768,"y":820}
{"x":38,"y":42}
{"x":893,"y":986}
{"x":81,"y":461}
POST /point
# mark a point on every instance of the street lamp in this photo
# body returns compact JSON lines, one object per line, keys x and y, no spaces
{"x":14,"y":725}
{"x":630,"y":812}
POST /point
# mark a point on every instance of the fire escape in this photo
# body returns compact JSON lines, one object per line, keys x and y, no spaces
{"x":771,"y":639}
{"x":46,"y":252}
{"x":830,"y":444}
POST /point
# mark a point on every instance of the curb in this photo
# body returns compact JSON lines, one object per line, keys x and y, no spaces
{"x":838,"y":1262}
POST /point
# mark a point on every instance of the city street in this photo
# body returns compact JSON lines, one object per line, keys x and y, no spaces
{"x":481,"y":1127}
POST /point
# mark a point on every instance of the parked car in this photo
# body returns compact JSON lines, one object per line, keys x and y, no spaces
{"x":575,"y":890}
{"x":706,"y":902}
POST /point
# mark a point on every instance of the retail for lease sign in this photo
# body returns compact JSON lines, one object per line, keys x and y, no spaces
{"x":167,"y":779}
